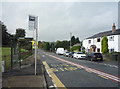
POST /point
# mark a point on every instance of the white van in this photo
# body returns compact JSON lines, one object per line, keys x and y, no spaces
{"x":60,"y":51}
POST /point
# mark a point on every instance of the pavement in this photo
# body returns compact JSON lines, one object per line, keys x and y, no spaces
{"x":24,"y":77}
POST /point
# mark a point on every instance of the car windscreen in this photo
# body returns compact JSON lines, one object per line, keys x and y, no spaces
{"x":80,"y":53}
{"x":98,"y":54}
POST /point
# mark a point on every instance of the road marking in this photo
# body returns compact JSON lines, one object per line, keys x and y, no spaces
{"x":109,"y":76}
{"x":63,"y":67}
{"x":103,"y":76}
{"x":56,"y":80}
{"x":54,"y":69}
{"x":88,"y":71}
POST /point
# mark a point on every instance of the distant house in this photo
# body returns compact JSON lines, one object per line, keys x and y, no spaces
{"x":93,"y":43}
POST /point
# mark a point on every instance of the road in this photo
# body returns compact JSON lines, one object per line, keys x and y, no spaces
{"x":69,"y":72}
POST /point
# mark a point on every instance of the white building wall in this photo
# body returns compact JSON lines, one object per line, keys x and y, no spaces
{"x":98,"y":44}
{"x":85,"y":44}
{"x":113,"y":44}
{"x":118,"y":43}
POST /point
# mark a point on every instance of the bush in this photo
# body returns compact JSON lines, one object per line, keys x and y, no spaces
{"x":75,"y":48}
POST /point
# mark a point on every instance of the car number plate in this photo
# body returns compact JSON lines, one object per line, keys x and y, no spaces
{"x":98,"y":58}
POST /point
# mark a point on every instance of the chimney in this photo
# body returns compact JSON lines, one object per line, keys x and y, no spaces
{"x":113,"y":28}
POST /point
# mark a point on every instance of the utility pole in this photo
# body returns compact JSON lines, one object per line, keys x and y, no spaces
{"x":70,"y":41}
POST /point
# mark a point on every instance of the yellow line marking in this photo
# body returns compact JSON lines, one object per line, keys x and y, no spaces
{"x":103,"y":76}
{"x":54,"y":69}
{"x":61,"y":69}
{"x":57,"y":82}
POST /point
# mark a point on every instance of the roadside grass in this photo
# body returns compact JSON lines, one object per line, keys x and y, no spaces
{"x":6,"y":56}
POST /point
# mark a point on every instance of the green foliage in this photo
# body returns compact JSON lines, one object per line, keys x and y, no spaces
{"x":74,"y":40}
{"x":20,"y":32}
{"x":47,"y":46}
{"x":77,"y":40}
{"x":58,"y":44}
{"x":6,"y":51}
{"x":6,"y":37}
{"x":75,"y":48}
{"x":6,"y":56}
{"x":23,"y":50}
{"x":104,"y":45}
{"x":62,"y":44}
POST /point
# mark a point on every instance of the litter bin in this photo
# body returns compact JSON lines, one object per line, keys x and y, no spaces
{"x":114,"y":57}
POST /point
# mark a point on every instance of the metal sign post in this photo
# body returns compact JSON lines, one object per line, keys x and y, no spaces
{"x":36,"y":44}
{"x":33,"y":25}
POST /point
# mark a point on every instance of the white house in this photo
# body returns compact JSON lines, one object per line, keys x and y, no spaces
{"x":93,"y":43}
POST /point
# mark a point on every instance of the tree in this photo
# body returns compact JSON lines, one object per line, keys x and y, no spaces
{"x":104,"y":45}
{"x":75,"y":48}
{"x":77,"y":40}
{"x":73,"y":40}
{"x":6,"y":37}
{"x":20,"y":32}
{"x":62,"y":44}
{"x":47,"y":46}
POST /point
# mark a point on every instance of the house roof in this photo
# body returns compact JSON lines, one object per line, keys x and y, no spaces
{"x":106,"y":33}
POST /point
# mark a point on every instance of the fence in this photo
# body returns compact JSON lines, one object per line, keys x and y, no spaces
{"x":15,"y":59}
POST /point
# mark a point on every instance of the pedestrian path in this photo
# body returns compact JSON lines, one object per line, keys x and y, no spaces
{"x":25,"y":77}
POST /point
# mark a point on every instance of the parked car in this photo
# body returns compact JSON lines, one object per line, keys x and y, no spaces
{"x":60,"y":51}
{"x":79,"y":55}
{"x":71,"y":54}
{"x":94,"y":57}
{"x":66,"y":54}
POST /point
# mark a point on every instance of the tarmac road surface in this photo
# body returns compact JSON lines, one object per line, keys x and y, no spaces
{"x":73,"y":73}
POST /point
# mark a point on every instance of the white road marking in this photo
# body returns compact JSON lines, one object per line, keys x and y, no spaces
{"x":109,"y":76}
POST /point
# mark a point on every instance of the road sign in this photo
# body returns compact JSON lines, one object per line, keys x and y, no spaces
{"x":34,"y":44}
{"x":32,"y":22}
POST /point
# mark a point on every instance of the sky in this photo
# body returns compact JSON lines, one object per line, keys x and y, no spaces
{"x":58,"y":19}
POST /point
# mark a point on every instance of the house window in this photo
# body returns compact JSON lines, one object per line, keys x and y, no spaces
{"x":98,"y":39}
{"x":111,"y":38}
{"x":89,"y":41}
{"x":111,"y":50}
{"x":98,"y":49}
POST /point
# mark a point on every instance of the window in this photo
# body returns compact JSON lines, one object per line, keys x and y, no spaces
{"x":98,"y":49}
{"x":111,"y":38}
{"x":98,"y":39}
{"x":111,"y":50}
{"x":89,"y":41}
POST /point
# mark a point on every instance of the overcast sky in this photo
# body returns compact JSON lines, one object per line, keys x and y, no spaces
{"x":58,"y":19}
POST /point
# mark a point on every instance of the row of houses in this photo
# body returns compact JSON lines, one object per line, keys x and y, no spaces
{"x":93,"y":43}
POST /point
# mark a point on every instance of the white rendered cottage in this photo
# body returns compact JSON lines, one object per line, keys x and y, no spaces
{"x":93,"y":43}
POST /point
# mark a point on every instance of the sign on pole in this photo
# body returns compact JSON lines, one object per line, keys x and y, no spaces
{"x":33,"y":25}
{"x":32,"y":22}
{"x":34,"y":44}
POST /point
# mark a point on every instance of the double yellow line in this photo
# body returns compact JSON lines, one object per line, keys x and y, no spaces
{"x":56,"y":80}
